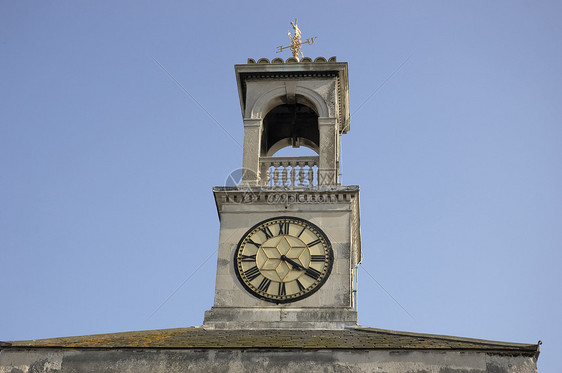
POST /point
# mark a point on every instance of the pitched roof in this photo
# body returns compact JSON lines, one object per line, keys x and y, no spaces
{"x":200,"y":338}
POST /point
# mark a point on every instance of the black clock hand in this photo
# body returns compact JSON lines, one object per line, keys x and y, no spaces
{"x":293,"y":263}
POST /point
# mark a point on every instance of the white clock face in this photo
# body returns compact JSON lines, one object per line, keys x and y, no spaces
{"x":283,"y":259}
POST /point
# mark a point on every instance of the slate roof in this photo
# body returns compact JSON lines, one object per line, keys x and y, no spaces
{"x":353,"y":338}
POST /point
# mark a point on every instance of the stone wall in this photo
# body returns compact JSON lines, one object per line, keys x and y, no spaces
{"x":261,"y":360}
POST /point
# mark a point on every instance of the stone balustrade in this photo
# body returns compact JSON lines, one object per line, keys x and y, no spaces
{"x":289,"y":171}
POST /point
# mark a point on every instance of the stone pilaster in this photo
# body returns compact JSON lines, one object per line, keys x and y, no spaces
{"x":327,"y":164}
{"x":251,"y":156}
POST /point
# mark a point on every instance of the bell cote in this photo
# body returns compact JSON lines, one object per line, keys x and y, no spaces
{"x":293,"y":104}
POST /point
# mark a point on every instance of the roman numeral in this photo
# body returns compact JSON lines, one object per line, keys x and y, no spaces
{"x":311,"y":272}
{"x":301,"y":288}
{"x":253,"y":243}
{"x":247,"y":258}
{"x":316,"y":242}
{"x":281,"y":290}
{"x":264,"y":284}
{"x":267,"y":232}
{"x":252,"y":273}
{"x":283,"y":228}
{"x":316,"y":258}
{"x":302,"y":232}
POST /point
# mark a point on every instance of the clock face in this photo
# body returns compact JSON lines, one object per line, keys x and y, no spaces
{"x":283,"y":259}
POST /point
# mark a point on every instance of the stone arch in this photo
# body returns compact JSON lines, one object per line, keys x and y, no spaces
{"x":290,"y":124}
{"x":283,"y":143}
{"x":276,"y":97}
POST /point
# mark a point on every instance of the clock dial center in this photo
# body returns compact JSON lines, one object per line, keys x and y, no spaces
{"x":283,"y":258}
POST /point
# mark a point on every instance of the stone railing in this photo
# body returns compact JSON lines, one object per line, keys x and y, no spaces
{"x":289,"y":171}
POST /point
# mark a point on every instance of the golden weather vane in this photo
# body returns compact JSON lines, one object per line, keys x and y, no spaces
{"x":296,"y":41}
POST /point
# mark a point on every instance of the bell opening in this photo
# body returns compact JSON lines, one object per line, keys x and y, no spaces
{"x":294,"y":125}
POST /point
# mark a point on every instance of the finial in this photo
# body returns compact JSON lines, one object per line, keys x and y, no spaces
{"x":296,"y":41}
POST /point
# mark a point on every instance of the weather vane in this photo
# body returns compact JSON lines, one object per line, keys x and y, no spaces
{"x":296,"y":42}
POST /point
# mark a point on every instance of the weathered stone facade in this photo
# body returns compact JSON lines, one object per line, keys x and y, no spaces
{"x":333,"y":209}
{"x":320,"y":87}
{"x":289,"y":361}
{"x":293,"y":104}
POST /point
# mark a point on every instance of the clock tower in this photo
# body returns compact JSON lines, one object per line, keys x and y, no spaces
{"x":289,"y":237}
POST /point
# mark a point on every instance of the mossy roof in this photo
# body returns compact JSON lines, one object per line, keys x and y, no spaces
{"x":201,"y":338}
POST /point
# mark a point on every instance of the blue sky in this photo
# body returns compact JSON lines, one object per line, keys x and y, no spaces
{"x":107,"y":165}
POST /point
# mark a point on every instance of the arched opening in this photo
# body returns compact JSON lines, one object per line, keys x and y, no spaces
{"x":290,"y":132}
{"x":292,"y":125}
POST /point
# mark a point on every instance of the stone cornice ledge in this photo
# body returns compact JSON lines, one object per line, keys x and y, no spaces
{"x":327,"y":194}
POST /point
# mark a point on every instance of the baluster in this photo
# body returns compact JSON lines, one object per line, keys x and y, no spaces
{"x":301,"y":173}
{"x":315,"y":171}
{"x":275,"y":173}
{"x":269,"y":175}
{"x":284,"y":174}
{"x":310,"y":173}
{"x":292,"y":175}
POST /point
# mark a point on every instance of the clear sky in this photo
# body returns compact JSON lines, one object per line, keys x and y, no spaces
{"x":107,"y":165}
